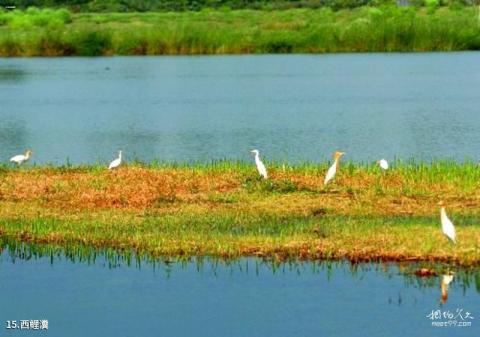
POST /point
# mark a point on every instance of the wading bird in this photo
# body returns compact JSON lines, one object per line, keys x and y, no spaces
{"x":447,"y":226}
{"x":116,"y":163}
{"x":333,"y":169}
{"x":21,"y":158}
{"x":260,"y":167}
{"x":383,"y":163}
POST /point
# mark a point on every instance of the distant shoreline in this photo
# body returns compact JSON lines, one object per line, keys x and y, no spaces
{"x":366,"y":29}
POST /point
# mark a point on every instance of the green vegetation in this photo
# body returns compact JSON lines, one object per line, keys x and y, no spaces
{"x":225,"y":210}
{"x":189,"y":5}
{"x":60,"y":33}
{"x":195,"y":5}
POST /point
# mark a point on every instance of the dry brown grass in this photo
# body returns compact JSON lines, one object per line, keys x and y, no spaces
{"x":227,"y":212}
{"x":137,"y":188}
{"x":132,"y":188}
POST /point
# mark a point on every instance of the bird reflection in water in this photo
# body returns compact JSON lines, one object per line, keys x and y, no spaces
{"x":444,"y":285}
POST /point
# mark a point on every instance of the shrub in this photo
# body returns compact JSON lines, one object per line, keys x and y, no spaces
{"x":91,"y":43}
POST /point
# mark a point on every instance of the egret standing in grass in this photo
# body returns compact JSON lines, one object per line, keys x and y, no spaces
{"x":21,"y":158}
{"x":333,"y":169}
{"x":260,"y":167}
{"x":447,"y":226}
{"x":116,"y":163}
{"x":383,"y":163}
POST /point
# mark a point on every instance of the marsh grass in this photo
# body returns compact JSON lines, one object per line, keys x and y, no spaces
{"x":366,"y":29}
{"x":114,"y":258}
{"x":224,"y":209}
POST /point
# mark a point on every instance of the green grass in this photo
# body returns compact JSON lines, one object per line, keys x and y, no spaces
{"x":195,"y":5}
{"x":355,"y":238}
{"x":366,"y":29}
{"x":223,"y":209}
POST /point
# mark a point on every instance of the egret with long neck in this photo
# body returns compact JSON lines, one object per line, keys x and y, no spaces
{"x":333,"y":169}
{"x":116,"y":163}
{"x":262,"y":170}
{"x":21,"y":158}
{"x":448,"y":228}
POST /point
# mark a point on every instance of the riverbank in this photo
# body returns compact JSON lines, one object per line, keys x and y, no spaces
{"x":366,"y":29}
{"x":224,"y":210}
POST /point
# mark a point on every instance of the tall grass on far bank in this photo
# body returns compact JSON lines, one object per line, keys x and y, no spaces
{"x":367,"y":29}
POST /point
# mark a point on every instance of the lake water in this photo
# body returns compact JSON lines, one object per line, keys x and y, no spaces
{"x":292,"y":107}
{"x":249,"y":297}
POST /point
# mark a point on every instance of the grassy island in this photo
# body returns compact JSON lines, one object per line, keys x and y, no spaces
{"x":224,"y":210}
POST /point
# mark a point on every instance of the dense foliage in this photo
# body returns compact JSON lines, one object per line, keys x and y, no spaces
{"x":194,"y":5}
{"x":58,"y":32}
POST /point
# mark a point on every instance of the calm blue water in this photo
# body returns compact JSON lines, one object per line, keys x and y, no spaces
{"x":291,"y":107}
{"x":245,"y":298}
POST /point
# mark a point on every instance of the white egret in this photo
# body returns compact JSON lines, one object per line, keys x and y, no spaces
{"x":447,"y":226}
{"x":260,"y":167}
{"x":21,"y":158}
{"x":333,"y":169}
{"x":116,"y":163}
{"x":383,"y":163}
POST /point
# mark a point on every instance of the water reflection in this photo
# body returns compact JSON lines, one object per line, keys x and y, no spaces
{"x":12,"y":74}
{"x":444,"y":284}
{"x":210,"y":297}
{"x":13,"y":136}
{"x":109,"y":258}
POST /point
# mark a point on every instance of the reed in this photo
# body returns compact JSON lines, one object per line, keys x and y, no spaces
{"x":365,"y":29}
